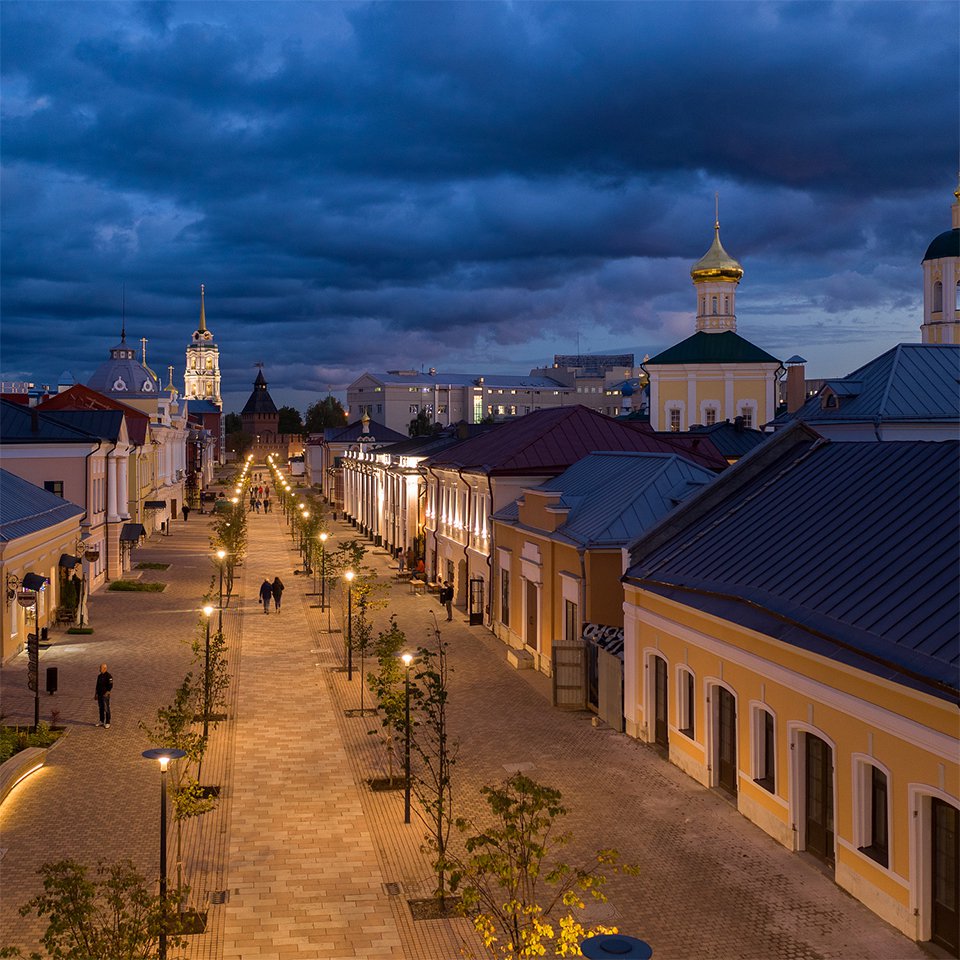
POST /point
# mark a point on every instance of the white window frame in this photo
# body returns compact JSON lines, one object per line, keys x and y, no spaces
{"x":863,"y":803}
{"x":683,"y":701}
{"x":748,"y":408}
{"x":758,"y":770}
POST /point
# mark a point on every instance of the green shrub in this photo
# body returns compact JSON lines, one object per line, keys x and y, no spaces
{"x":15,"y":739}
{"x":137,"y":586}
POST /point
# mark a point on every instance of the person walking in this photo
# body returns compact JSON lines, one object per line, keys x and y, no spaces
{"x":102,"y":695}
{"x":185,"y":511}
{"x":266,"y":592}
{"x":277,"y":588}
{"x":446,"y":598}
{"x":266,"y":504}
{"x":401,"y":560}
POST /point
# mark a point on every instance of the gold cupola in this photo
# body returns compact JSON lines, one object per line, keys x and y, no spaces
{"x":716,"y":263}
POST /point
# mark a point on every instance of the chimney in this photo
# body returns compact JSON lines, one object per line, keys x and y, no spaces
{"x":796,"y":383}
{"x":34,"y":420}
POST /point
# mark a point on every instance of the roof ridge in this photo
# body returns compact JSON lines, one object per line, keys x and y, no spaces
{"x":889,"y":385}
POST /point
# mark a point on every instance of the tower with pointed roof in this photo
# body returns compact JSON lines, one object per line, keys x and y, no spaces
{"x":261,"y":420}
{"x":715,"y":374}
{"x":941,"y":283}
{"x":201,"y":376}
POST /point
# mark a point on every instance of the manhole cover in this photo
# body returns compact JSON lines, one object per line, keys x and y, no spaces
{"x":219,"y":896}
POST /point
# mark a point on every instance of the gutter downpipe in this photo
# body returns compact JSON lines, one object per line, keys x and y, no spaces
{"x":85,"y":521}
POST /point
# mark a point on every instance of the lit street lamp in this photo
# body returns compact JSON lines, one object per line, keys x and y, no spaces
{"x":348,"y":576}
{"x":207,"y":612}
{"x":615,"y":945}
{"x":407,"y":660}
{"x":323,"y":571}
{"x":164,"y":756}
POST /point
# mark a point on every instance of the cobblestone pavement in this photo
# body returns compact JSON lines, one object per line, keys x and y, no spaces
{"x":97,"y":798}
{"x":313,"y":862}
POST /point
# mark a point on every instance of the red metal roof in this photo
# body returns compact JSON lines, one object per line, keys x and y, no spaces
{"x":80,"y":397}
{"x":549,"y":441}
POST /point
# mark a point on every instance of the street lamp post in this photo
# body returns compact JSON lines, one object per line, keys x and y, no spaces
{"x":323,"y":571}
{"x":221,"y":556}
{"x":407,"y":660}
{"x":348,"y":576}
{"x":207,"y":612}
{"x":164,"y":756}
{"x":28,"y":599}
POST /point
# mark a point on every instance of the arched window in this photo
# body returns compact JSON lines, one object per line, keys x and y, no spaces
{"x":714,"y":305}
{"x":703,"y":305}
{"x":937,"y":297}
{"x":209,"y":363}
{"x":726,"y":304}
{"x":956,"y":302}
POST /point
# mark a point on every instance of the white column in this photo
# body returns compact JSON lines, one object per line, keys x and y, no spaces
{"x":124,"y":487}
{"x":112,"y":487}
{"x":729,"y":411}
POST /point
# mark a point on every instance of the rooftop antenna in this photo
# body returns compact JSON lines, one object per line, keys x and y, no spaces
{"x":716,"y":210}
{"x":123,"y":313}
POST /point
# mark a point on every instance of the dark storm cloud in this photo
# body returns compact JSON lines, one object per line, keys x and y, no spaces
{"x":460,"y":184}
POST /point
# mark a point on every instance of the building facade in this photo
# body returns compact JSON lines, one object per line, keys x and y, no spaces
{"x":941,"y":283}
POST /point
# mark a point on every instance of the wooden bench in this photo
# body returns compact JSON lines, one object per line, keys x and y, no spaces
{"x":417,"y":586}
{"x":434,"y":586}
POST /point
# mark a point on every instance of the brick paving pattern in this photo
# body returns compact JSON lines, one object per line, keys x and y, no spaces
{"x":315,"y":864}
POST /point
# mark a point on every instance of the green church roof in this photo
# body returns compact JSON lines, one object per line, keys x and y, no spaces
{"x":726,"y":347}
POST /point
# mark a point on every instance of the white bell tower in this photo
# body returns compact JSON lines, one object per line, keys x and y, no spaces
{"x":201,"y":377}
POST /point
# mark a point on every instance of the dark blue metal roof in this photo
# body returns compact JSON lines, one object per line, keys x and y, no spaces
{"x":378,"y":432}
{"x":613,"y":497}
{"x":911,"y":382}
{"x":848,"y":549}
{"x":25,"y":508}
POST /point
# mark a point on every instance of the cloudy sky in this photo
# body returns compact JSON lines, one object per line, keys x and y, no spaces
{"x":470,"y":186}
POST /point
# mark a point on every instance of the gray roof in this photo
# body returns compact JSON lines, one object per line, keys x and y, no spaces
{"x":847,"y":549}
{"x":377,"y":433}
{"x":613,"y":497}
{"x":20,"y":424}
{"x":25,"y":508}
{"x":913,"y":382}
{"x":124,"y":376}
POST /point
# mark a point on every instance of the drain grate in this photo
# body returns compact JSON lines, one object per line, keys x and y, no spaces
{"x":219,"y":896}
{"x":393,"y":889}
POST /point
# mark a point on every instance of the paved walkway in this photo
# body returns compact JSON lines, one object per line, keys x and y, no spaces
{"x":313,"y":863}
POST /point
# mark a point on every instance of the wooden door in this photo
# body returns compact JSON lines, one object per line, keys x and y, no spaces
{"x":726,"y":740}
{"x":533,"y":634}
{"x":945,"y":865}
{"x":661,"y":729}
{"x":819,"y":798}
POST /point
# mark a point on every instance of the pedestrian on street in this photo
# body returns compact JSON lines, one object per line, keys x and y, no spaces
{"x":446,"y":598}
{"x":266,"y":592}
{"x":102,"y":695}
{"x":401,"y":560}
{"x":258,"y":504}
{"x":277,"y":588}
{"x":185,"y":511}
{"x":266,"y":504}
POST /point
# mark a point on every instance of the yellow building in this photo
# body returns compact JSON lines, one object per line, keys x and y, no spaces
{"x":716,"y":374}
{"x":791,"y":639}
{"x":39,"y":542}
{"x":561,"y":552}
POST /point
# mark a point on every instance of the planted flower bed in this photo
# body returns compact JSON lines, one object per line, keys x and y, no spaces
{"x":137,"y":586}
{"x":15,"y":739}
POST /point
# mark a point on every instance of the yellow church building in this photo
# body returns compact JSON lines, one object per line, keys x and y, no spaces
{"x":716,"y":374}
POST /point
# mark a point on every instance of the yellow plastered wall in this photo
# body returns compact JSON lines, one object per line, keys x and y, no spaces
{"x":859,"y":727}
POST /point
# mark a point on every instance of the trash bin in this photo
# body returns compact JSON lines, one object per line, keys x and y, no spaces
{"x":51,"y":680}
{"x":44,"y":634}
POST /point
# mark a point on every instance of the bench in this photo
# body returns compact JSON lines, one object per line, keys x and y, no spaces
{"x":434,"y":586}
{"x":417,"y":586}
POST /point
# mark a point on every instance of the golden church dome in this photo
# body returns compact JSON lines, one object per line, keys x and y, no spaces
{"x":716,"y":263}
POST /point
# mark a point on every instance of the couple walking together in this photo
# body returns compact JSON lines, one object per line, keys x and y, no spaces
{"x":270,"y":590}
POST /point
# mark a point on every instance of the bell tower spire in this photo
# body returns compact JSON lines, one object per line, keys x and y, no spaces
{"x":201,"y":376}
{"x":715,"y":277}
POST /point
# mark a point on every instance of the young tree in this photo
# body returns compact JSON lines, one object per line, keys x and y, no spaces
{"x":111,"y":916}
{"x":230,"y":535}
{"x":327,"y":412}
{"x":522,"y":900}
{"x":435,"y":754}
{"x":387,"y":686}
{"x":368,"y":595}
{"x":174,"y":730}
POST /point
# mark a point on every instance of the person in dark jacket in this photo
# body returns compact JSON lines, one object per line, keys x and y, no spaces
{"x":266,"y":592}
{"x":277,"y":588}
{"x":446,"y":598}
{"x":102,"y":695}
